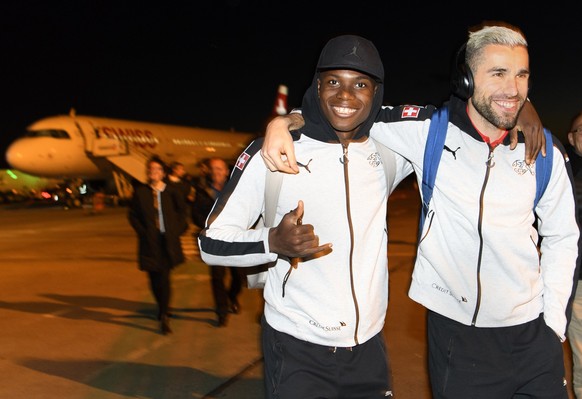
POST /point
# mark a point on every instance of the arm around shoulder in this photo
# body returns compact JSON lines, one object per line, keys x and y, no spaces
{"x":277,"y":150}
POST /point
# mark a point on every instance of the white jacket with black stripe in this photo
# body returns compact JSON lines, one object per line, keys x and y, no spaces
{"x":477,"y":261}
{"x":338,"y":299}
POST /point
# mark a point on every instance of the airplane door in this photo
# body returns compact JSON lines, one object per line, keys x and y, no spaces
{"x":99,"y":146}
{"x":88,"y":133}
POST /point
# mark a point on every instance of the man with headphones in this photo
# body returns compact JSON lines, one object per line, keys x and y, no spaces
{"x":497,"y":301}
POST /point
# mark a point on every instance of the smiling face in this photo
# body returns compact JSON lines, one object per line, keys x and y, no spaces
{"x":501,"y":76}
{"x":155,"y":172}
{"x":346,"y":98}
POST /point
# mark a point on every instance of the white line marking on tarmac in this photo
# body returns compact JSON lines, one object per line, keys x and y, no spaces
{"x":139,"y":353}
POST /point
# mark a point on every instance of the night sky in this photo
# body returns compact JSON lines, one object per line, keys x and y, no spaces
{"x":219,"y":65}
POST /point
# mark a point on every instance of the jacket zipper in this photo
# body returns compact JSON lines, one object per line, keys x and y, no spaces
{"x":344,"y":160}
{"x":490,"y":163}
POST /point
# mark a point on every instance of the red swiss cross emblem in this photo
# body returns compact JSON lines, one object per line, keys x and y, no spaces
{"x":410,"y":112}
{"x":242,"y":160}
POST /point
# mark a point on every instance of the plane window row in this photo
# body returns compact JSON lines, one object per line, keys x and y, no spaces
{"x":54,"y":133}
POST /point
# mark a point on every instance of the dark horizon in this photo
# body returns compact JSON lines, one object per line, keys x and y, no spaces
{"x":218,"y":66}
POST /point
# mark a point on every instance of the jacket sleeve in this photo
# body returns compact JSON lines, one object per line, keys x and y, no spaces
{"x":559,"y":234}
{"x":135,"y":214}
{"x":229,"y":238}
{"x":179,"y":201}
{"x":201,"y":206}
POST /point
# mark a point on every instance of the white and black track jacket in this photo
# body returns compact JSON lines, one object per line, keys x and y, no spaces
{"x":338,"y":299}
{"x":477,"y":261}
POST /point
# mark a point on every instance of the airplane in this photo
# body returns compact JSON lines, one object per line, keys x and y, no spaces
{"x":89,"y":147}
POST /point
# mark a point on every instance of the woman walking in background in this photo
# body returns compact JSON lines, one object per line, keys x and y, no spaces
{"x":158,"y":215}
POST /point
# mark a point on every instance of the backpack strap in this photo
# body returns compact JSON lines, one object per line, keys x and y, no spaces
{"x":544,"y":167}
{"x":272,"y":189}
{"x":257,"y":275}
{"x":433,"y":150}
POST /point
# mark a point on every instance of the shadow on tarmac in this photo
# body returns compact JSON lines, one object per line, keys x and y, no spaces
{"x":155,"y":381}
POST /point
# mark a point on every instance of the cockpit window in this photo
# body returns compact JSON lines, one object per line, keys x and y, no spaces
{"x":54,"y":133}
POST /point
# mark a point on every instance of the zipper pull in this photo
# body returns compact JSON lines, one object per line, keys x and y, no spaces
{"x":344,"y":158}
{"x":490,"y":162}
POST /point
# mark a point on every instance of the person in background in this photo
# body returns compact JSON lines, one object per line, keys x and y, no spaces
{"x":179,"y":177}
{"x":574,"y":150}
{"x":98,"y":201}
{"x":497,"y":304}
{"x":157,"y":213}
{"x":207,"y":190}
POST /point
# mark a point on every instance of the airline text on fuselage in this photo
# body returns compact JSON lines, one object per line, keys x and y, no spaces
{"x":201,"y":143}
{"x":141,"y":138}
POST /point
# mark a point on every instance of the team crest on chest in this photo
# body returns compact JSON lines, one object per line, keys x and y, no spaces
{"x":374,"y":159}
{"x":520,"y":167}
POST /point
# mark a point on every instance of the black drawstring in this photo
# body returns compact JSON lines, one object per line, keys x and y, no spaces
{"x":286,"y":278}
{"x":293,"y":261}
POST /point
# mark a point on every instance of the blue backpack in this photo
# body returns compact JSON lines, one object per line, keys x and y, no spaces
{"x":434,"y":148}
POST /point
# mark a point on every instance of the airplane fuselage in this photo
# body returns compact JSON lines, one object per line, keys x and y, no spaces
{"x":89,"y":147}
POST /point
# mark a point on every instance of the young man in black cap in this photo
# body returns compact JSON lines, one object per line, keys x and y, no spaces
{"x":324,"y":307}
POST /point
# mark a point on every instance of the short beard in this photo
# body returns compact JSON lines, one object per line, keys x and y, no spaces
{"x":484,"y":108}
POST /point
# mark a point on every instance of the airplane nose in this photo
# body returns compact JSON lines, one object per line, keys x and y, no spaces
{"x":15,"y":155}
{"x":23,"y":156}
{"x":50,"y":157}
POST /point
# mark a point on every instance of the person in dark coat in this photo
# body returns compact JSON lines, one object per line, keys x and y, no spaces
{"x":178,"y":176}
{"x":157,"y":213}
{"x":215,"y":172}
{"x":574,"y":150}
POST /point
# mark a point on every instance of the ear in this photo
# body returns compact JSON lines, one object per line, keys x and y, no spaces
{"x":318,"y":87}
{"x":571,"y":139}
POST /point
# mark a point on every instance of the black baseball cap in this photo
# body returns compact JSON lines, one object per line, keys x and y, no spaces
{"x":352,"y":52}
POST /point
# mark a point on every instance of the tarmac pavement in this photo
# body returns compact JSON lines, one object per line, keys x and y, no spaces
{"x":77,"y":319}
